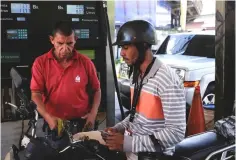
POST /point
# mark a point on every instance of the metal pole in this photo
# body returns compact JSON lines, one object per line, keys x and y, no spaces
{"x":110,"y":89}
{"x":225,"y":59}
{"x":183,"y":14}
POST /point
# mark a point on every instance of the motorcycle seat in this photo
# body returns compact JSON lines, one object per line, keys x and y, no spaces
{"x":199,"y":146}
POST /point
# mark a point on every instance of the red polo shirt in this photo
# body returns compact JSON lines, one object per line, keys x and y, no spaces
{"x":64,"y":90}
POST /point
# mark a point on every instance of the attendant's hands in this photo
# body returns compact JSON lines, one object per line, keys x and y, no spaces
{"x":52,"y":121}
{"x":90,"y":120}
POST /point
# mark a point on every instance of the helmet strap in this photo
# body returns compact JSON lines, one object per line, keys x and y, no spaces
{"x":135,"y":68}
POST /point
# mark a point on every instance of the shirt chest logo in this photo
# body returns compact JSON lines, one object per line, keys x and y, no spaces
{"x":77,"y":79}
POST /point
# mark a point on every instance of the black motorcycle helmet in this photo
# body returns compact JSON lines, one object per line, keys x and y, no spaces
{"x":140,"y":33}
{"x":136,"y":31}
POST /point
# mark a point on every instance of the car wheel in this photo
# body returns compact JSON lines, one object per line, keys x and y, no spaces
{"x":209,"y":96}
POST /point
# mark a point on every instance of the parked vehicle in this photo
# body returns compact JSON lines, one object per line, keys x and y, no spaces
{"x":192,"y":56}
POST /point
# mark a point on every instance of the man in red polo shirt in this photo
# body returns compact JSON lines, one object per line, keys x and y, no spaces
{"x":61,"y":79}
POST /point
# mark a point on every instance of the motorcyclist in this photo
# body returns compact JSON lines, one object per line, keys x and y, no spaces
{"x":157,"y":119}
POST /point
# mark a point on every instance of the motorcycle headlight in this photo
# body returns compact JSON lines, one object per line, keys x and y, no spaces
{"x":180,"y":73}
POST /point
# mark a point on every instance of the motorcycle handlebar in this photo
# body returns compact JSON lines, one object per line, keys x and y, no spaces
{"x":10,"y":104}
{"x":26,"y":111}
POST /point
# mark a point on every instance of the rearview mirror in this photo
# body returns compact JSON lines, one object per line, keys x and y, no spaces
{"x":16,"y":77}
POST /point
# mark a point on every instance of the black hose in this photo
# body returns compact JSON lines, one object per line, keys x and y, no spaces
{"x":112,"y":62}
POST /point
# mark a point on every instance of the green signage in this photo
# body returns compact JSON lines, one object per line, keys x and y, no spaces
{"x":88,"y":53}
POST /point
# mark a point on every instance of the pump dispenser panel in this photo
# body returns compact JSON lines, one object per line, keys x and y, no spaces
{"x":26,"y":27}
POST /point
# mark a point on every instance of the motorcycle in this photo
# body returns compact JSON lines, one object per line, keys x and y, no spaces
{"x":208,"y":145}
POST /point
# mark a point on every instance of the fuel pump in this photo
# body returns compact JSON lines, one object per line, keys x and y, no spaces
{"x":26,"y":26}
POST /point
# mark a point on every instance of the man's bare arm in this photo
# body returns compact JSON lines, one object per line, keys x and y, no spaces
{"x":37,"y":98}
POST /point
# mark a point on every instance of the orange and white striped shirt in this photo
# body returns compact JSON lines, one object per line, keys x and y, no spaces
{"x":160,"y":111}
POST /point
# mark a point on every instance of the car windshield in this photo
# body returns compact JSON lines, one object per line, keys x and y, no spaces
{"x":177,"y":43}
{"x":189,"y":44}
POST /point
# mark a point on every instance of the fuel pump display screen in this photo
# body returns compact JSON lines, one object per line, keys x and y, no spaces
{"x":75,"y":9}
{"x":20,"y":18}
{"x":82,"y":33}
{"x":20,"y":8}
{"x":17,"y":34}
